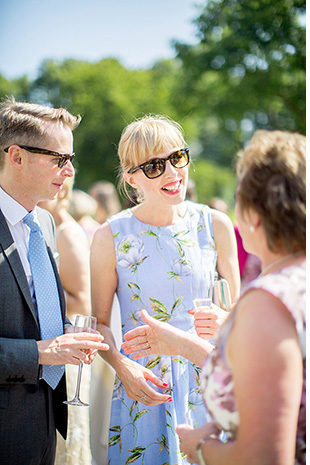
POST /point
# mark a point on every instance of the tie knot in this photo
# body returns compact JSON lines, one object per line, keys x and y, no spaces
{"x":29,"y":221}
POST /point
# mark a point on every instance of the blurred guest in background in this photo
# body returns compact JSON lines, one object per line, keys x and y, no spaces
{"x":103,"y":375}
{"x":83,"y":209}
{"x":105,"y":194}
{"x":219,"y":204}
{"x":73,"y":249}
{"x":74,"y":270}
{"x":249,"y":264}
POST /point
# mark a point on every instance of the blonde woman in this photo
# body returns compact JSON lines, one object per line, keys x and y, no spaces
{"x":150,"y":255}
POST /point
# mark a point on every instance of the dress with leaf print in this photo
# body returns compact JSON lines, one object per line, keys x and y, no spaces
{"x":157,"y":267}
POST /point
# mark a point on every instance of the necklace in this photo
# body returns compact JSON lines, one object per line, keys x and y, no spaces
{"x":280,"y":260}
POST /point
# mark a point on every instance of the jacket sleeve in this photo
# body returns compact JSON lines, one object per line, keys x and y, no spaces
{"x":19,"y":361}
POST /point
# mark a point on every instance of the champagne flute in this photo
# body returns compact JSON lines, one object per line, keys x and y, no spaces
{"x":202,"y":288}
{"x":201,"y":291}
{"x":82,"y":324}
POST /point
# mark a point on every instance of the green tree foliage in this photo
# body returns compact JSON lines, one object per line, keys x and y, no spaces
{"x":19,"y":88}
{"x":247,"y":72}
{"x":108,"y":97}
{"x":212,"y":180}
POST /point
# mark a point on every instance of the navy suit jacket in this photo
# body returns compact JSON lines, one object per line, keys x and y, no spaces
{"x":20,"y":393}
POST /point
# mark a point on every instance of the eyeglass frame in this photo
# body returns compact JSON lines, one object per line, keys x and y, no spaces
{"x":142,"y":166}
{"x":62,"y":157}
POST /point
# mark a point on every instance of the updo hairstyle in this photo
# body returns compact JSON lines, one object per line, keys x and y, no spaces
{"x":272,"y":181}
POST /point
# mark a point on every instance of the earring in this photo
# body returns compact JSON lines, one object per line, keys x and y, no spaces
{"x":252,"y":229}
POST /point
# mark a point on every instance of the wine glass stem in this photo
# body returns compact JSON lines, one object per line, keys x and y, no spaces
{"x":78,"y":384}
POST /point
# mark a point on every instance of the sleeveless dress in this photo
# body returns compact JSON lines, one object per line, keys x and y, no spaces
{"x":75,"y":450}
{"x":217,"y":383}
{"x":157,"y":269}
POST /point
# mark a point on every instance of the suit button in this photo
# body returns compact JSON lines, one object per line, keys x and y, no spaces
{"x":32,"y":388}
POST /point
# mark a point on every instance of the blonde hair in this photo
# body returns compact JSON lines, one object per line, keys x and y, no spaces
{"x":272,"y":181}
{"x":26,"y":123}
{"x":144,"y":137}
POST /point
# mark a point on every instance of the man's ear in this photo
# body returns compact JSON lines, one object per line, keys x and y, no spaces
{"x":16,"y":156}
{"x":130,"y":180}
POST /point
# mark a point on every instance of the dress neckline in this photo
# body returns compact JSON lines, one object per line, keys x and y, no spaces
{"x":180,"y":220}
{"x":301,"y":264}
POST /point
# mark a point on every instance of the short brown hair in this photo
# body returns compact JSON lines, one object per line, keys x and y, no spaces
{"x":25,"y":123}
{"x":272,"y":181}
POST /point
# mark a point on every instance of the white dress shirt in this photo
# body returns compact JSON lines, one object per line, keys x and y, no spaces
{"x":14,"y":213}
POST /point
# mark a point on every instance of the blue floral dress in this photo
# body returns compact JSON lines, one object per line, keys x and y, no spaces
{"x":158,"y":269}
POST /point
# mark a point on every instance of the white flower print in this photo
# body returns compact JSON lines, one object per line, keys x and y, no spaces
{"x":181,"y":267}
{"x":129,"y":252}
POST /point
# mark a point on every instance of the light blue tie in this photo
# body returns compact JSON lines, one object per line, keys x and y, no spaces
{"x":46,"y":294}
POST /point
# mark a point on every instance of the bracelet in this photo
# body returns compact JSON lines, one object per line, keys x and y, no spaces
{"x":199,"y":452}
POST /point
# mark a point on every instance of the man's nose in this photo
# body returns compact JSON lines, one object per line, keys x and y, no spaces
{"x":68,"y":169}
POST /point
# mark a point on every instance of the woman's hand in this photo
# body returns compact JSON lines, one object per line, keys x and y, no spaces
{"x":134,"y":378}
{"x":189,"y":438}
{"x":208,"y":320}
{"x":155,"y":338}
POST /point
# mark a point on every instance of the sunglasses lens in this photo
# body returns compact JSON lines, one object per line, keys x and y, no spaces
{"x":63,"y":160}
{"x":179,"y":159}
{"x":154,"y":168}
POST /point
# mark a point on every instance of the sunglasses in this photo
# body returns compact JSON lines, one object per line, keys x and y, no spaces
{"x":156,"y":167}
{"x":62,"y":157}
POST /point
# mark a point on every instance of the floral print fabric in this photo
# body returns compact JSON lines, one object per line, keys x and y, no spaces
{"x":288,"y":285}
{"x":157,"y":269}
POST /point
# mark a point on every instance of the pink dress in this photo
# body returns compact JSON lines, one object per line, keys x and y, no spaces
{"x":217,"y":383}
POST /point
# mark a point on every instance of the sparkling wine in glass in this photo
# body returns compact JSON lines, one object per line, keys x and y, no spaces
{"x":82,"y":324}
{"x":202,"y":288}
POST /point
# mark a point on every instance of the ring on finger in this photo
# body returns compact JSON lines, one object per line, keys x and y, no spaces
{"x":144,"y":397}
{"x":148,"y":345}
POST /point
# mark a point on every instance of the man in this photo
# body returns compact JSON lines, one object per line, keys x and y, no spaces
{"x":35,"y":159}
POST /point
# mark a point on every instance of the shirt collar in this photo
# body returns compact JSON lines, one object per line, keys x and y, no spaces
{"x":12,"y":210}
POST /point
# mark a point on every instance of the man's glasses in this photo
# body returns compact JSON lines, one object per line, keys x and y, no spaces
{"x":156,"y":167}
{"x":62,"y":157}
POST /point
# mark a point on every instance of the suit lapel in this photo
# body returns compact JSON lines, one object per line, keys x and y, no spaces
{"x":10,"y":251}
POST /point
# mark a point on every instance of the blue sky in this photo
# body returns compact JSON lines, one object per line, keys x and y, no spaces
{"x":136,"y":32}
